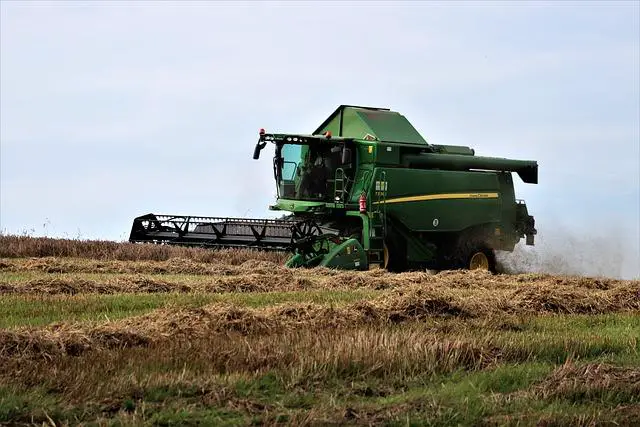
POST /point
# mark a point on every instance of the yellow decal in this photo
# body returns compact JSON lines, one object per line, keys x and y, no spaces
{"x":370,"y":148}
{"x":442,"y":197}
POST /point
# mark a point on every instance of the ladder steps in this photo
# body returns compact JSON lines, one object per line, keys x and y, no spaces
{"x":378,"y":222}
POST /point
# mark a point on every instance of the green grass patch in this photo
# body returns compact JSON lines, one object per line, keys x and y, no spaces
{"x":499,"y":396}
{"x":197,"y":416}
{"x":554,"y":338}
{"x":28,"y":405}
{"x":36,"y":310}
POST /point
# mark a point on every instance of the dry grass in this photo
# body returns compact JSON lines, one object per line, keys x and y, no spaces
{"x":170,"y":266}
{"x":122,"y":284}
{"x":12,"y":246}
{"x":305,"y":355}
{"x":208,"y":369}
{"x":260,"y":276}
{"x":453,"y":348}
{"x":589,"y":380}
{"x":412,"y":303}
{"x":343,"y":377}
{"x":77,"y":286}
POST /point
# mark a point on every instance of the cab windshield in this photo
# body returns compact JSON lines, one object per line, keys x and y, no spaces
{"x":314,"y":172}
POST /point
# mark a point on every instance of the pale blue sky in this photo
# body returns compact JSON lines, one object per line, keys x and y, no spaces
{"x":112,"y":110}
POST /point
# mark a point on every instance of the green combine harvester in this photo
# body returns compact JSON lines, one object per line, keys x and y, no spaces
{"x":365,"y":190}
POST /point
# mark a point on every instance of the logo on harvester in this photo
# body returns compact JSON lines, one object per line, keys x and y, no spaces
{"x":382,"y":185}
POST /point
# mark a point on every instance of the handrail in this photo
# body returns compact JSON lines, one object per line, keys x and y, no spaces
{"x":339,"y":194}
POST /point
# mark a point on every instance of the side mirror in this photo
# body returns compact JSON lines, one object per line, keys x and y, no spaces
{"x":256,"y":151}
{"x":346,"y":155}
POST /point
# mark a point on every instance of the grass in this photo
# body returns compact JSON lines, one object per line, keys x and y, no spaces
{"x":36,"y":310}
{"x":438,"y":373}
{"x":107,"y":334}
{"x":13,"y":246}
{"x":30,"y":276}
{"x":389,"y":375}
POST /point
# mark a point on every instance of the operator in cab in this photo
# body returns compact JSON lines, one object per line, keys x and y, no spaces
{"x":313,"y":183}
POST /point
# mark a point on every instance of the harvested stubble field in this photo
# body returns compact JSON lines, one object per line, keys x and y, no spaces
{"x":102,"y":333}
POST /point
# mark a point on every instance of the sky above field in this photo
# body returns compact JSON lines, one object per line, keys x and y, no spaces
{"x":113,"y":110}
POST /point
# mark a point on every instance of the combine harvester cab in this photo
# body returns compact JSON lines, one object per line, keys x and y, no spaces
{"x":366,"y":190}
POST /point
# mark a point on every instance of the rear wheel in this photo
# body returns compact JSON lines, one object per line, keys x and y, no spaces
{"x":479,"y":261}
{"x":475,"y":256}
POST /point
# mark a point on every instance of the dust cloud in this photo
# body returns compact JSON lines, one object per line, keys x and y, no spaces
{"x":614,"y":255}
